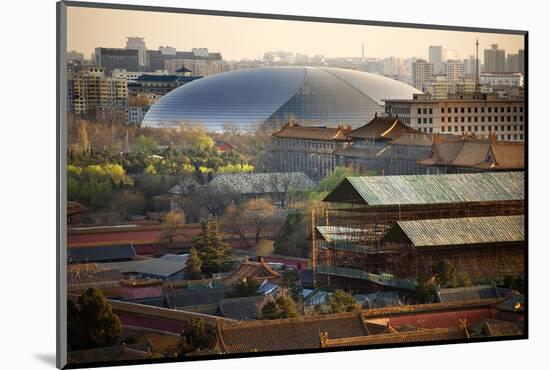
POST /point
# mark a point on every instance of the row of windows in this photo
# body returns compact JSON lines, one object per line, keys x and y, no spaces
{"x":481,"y":128}
{"x":482,"y":110}
{"x":482,"y":119}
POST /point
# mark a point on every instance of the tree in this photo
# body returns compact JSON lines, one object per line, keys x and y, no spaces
{"x":291,"y":240}
{"x":463,"y":279}
{"x":193,"y":265}
{"x":341,"y":301}
{"x":171,"y":231}
{"x":91,"y":322}
{"x":446,"y":273}
{"x":291,"y":280}
{"x":255,"y":215}
{"x":144,"y":144}
{"x":214,"y":253}
{"x":198,"y":335}
{"x":425,"y":291}
{"x":127,"y":203}
{"x":245,"y":288}
{"x":282,"y":307}
{"x":514,"y":282}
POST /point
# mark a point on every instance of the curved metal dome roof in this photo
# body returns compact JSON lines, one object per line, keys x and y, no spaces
{"x":248,"y":98}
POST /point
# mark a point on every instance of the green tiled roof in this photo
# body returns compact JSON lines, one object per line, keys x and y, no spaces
{"x":431,"y":189}
{"x":462,"y":231}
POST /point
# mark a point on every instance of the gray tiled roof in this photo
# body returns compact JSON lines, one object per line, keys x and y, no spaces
{"x":261,"y":183}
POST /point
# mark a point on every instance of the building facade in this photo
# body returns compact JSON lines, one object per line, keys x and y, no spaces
{"x":463,"y":114}
{"x":112,"y":58}
{"x":501,"y":79}
{"x":494,"y":59}
{"x":436,"y":58}
{"x":422,"y":73}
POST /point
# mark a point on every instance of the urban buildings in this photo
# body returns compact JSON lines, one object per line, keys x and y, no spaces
{"x":98,"y":97}
{"x":494,"y":59}
{"x":454,"y":71}
{"x":422,"y":72}
{"x":463,"y":114}
{"x":501,"y":79}
{"x":138,"y":43}
{"x":436,"y":58}
{"x":112,"y":58}
{"x":199,"y":61}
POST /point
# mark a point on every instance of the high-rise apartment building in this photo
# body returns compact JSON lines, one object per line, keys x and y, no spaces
{"x":422,"y":72}
{"x":454,"y":71}
{"x":494,"y":59}
{"x":99,"y":97}
{"x":435,"y":57}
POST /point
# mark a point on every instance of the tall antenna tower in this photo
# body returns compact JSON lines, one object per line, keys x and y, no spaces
{"x":477,"y":66}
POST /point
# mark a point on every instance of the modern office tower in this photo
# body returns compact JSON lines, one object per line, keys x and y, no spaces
{"x":137,"y":43}
{"x":422,"y":73}
{"x":435,"y":57}
{"x":110,"y":58}
{"x":454,"y":71}
{"x":494,"y":59}
{"x":476,"y":114}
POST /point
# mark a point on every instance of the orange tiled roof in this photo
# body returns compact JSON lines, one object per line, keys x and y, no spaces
{"x":252,"y":270}
{"x":291,"y":131}
{"x":458,"y":151}
{"x":381,"y":128}
{"x":286,"y":334}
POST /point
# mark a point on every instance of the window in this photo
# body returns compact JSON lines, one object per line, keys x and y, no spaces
{"x":456,"y":119}
{"x":449,"y":110}
{"x":521,"y":109}
{"x":469,"y":109}
{"x":456,"y":110}
{"x":425,"y":120}
{"x":419,"y":111}
{"x":475,"y":128}
{"x":469,"y":119}
{"x":501,"y":109}
{"x":425,"y":111}
{"x":430,"y":111}
{"x":482,"y":119}
{"x":515,"y":109}
{"x":515,"y":118}
{"x":508,"y":110}
{"x":515,"y":127}
{"x":501,"y":128}
{"x":509,"y":128}
{"x":508,"y":118}
{"x":462,"y":128}
{"x":482,"y":109}
{"x":430,"y":120}
{"x":461,"y":119}
{"x":462,"y":110}
{"x":419,"y":120}
{"x":442,"y":119}
{"x":442,"y":110}
{"x":475,"y":119}
{"x":482,"y":128}
{"x":456,"y":128}
{"x":489,"y":110}
{"x":489,"y":119}
{"x":430,"y":130}
{"x":469,"y":128}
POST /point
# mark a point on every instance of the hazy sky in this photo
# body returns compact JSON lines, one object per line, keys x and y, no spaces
{"x":239,"y":38}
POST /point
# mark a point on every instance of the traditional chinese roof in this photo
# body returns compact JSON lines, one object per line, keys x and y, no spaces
{"x":112,"y":353}
{"x":498,"y":328}
{"x":261,"y":183}
{"x":471,"y":293}
{"x":430,"y":189}
{"x":460,"y":231}
{"x":413,"y":139}
{"x":162,"y":267}
{"x":393,"y":336}
{"x":293,"y":131}
{"x":381,"y":128}
{"x":197,"y":297}
{"x":242,"y":308}
{"x":100,"y":253}
{"x":259,"y":271}
{"x":483,"y":154}
{"x":287,"y":334}
{"x":514,"y":303}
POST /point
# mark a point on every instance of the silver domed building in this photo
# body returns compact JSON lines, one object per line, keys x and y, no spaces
{"x":250,"y":98}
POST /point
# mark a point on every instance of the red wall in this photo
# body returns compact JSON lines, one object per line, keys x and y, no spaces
{"x":442,"y":319}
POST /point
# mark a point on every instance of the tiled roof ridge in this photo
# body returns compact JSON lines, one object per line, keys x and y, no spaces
{"x":298,"y":319}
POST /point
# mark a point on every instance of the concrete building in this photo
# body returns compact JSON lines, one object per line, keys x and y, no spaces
{"x":422,"y":73}
{"x":99,"y":97}
{"x":440,"y":90}
{"x":494,"y":59}
{"x":112,"y":58}
{"x":137,"y":43}
{"x":435,"y":57}
{"x":454,"y":71}
{"x":501,"y":79}
{"x":463,"y":114}
{"x":199,"y":61}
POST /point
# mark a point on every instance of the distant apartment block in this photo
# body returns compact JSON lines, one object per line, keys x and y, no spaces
{"x":98,"y":97}
{"x":463,"y":114}
{"x":501,"y":79}
{"x":494,"y":59}
{"x":422,"y":73}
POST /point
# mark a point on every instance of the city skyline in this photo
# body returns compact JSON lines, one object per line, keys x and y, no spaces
{"x":336,"y":41}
